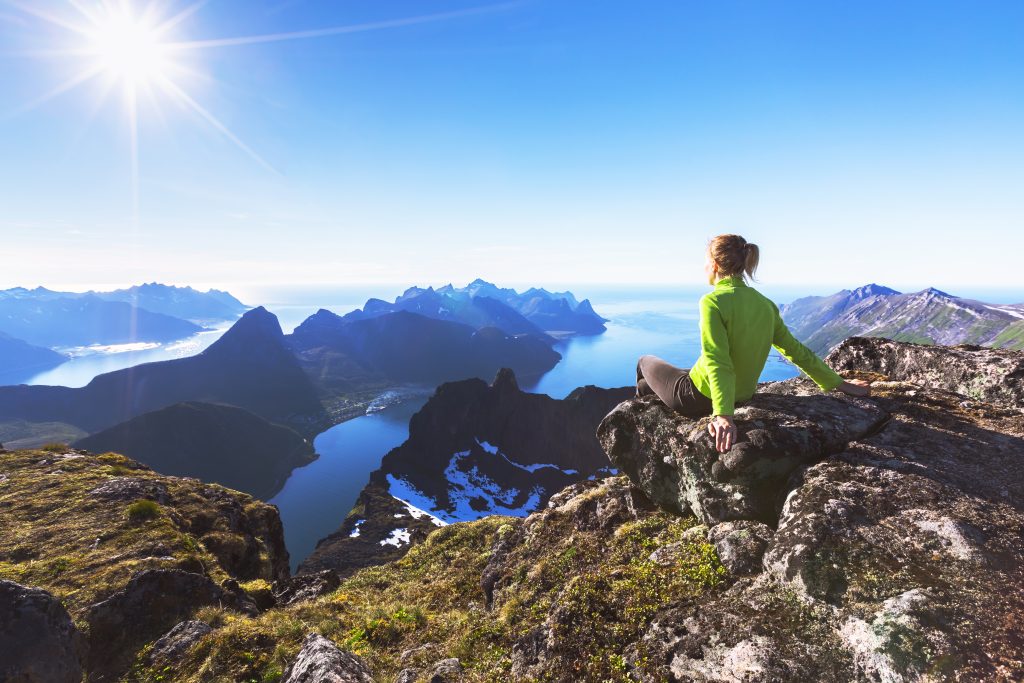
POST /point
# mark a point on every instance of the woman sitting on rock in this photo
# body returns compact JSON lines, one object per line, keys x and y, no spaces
{"x":738,"y":327}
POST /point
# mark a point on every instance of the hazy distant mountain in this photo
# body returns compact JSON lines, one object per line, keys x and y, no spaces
{"x":476,"y":312}
{"x":930,"y":316}
{"x":410,"y":347}
{"x":20,"y":360}
{"x":180,"y":302}
{"x":473,"y":450}
{"x":250,"y":366}
{"x":54,"y":319}
{"x":215,"y":443}
{"x":482,"y":304}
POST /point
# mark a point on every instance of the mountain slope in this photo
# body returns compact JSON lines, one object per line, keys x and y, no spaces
{"x":473,"y":450}
{"x":250,"y":366}
{"x":929,"y":316}
{"x":216,"y":443}
{"x":408,"y":347}
{"x":20,"y":360}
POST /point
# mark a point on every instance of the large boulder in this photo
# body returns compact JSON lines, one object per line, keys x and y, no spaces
{"x":153,"y":601}
{"x":977,"y":372}
{"x":673,"y":457}
{"x":38,"y":641}
{"x":898,"y":552}
{"x":321,"y":661}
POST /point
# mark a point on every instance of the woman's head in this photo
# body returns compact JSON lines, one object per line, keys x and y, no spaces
{"x":730,"y":255}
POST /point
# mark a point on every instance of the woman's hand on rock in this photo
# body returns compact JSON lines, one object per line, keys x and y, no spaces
{"x":724,"y":430}
{"x":855,"y":387}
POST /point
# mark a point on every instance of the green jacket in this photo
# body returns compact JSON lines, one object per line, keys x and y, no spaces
{"x":738,"y":327}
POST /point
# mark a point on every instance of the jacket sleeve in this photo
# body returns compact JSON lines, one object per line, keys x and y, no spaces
{"x":714,"y":343}
{"x":802,"y":357}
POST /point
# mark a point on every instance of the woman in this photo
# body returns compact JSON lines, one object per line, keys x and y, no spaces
{"x":738,"y":327}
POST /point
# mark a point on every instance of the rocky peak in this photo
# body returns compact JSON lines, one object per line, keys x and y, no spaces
{"x":895,"y":520}
{"x":871,"y":290}
{"x":256,"y":326}
{"x":505,"y":381}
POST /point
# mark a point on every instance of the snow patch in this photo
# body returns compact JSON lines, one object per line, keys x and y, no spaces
{"x":397,"y":537}
{"x":494,"y":450}
{"x":1014,"y":313}
{"x":417,"y":512}
{"x":355,"y":529}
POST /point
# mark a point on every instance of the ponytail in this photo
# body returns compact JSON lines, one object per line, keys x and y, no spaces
{"x":734,"y":255}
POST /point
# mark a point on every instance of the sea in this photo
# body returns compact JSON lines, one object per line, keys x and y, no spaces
{"x":662,"y":321}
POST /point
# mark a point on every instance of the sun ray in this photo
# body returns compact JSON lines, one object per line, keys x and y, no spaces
{"x":67,"y":85}
{"x":183,"y":96}
{"x":46,"y":16}
{"x":180,"y":16}
{"x":339,"y":30}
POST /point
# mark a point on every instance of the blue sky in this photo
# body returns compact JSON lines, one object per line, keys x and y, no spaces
{"x":530,"y":142}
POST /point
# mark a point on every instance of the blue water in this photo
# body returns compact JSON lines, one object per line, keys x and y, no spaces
{"x":316,"y":498}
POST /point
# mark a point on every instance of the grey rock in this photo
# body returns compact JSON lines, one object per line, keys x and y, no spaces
{"x":446,"y":671}
{"x":672,"y":458}
{"x":898,"y":552}
{"x":173,"y":645}
{"x":152,"y":602}
{"x":321,"y":661}
{"x":976,"y":372}
{"x":741,"y":544}
{"x":38,"y":641}
{"x":305,"y":586}
{"x":128,"y":489}
{"x":407,"y":676}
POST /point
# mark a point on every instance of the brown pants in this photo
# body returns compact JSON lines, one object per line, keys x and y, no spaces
{"x":672,"y":385}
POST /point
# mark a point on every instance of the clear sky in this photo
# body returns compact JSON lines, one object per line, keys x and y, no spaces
{"x":534,"y":141}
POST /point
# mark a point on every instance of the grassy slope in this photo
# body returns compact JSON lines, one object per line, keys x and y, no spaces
{"x":601,"y":583}
{"x":55,"y":535}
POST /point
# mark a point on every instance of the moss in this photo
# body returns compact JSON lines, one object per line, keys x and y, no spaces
{"x":142,"y":510}
{"x":60,"y":537}
{"x":55,"y":447}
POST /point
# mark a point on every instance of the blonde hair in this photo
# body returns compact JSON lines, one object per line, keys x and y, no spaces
{"x":734,"y":255}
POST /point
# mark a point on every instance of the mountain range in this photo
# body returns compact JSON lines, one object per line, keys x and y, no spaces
{"x":37,"y":325}
{"x":328,"y":370}
{"x":482,"y":304}
{"x":929,"y":316}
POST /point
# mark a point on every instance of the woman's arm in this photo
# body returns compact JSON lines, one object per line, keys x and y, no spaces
{"x":802,"y":357}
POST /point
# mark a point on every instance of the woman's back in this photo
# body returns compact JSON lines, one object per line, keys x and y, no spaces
{"x":738,"y":327}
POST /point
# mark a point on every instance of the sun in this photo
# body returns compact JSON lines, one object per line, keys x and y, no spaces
{"x":129,"y":49}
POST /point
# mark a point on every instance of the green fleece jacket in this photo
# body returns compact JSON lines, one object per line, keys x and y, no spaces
{"x":738,"y":327}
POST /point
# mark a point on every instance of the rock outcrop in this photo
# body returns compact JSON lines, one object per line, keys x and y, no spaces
{"x":153,"y":601}
{"x":898,"y":548}
{"x":38,"y":641}
{"x":977,"y":373}
{"x":131,"y":553}
{"x":473,"y":450}
{"x":673,"y":457}
{"x":321,"y":661}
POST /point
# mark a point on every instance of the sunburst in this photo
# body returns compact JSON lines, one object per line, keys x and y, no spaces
{"x":133,"y":46}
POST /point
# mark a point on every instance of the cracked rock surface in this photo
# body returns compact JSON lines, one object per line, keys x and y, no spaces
{"x":898,"y":545}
